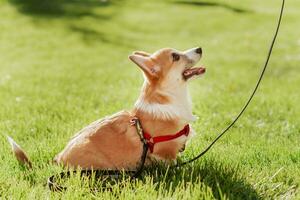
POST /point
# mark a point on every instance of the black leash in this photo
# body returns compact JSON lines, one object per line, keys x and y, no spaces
{"x":114,"y":175}
{"x":250,"y":98}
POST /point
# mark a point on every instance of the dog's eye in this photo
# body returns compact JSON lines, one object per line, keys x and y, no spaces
{"x":175,"y":56}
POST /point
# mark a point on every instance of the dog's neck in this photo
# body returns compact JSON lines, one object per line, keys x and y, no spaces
{"x":164,"y":111}
{"x":169,"y":103}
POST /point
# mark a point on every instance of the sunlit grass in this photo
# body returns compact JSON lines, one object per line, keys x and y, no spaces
{"x":64,"y":64}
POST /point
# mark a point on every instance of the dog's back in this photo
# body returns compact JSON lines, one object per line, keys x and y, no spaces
{"x":110,"y":143}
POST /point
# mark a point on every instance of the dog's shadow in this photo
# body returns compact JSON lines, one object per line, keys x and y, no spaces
{"x":223,"y":180}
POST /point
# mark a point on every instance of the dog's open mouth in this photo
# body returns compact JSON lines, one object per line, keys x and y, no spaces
{"x":190,"y":72}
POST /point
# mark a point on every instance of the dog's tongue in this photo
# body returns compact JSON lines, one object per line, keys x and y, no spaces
{"x":189,"y":73}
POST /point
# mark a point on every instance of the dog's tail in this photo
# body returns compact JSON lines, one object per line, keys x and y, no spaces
{"x":19,"y":153}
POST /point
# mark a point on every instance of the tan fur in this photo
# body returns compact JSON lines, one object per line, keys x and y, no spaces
{"x":109,"y":143}
{"x":19,"y":153}
{"x":113,"y":143}
{"x":142,"y":53}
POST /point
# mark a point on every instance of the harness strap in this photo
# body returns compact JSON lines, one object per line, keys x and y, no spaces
{"x":151,"y":141}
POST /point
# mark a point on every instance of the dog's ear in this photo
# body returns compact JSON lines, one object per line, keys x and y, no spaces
{"x":142,"y":53}
{"x":146,"y":64}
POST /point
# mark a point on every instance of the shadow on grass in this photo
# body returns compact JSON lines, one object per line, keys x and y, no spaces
{"x":223,"y":180}
{"x":218,"y":177}
{"x":60,"y":8}
{"x":212,"y":4}
{"x":69,"y":12}
{"x":90,"y":36}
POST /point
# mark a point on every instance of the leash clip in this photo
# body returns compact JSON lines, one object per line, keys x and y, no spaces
{"x":135,"y":121}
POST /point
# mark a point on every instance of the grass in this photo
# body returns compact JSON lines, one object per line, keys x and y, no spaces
{"x":64,"y":64}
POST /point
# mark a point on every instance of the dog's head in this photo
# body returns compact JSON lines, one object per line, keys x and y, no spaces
{"x":169,"y":66}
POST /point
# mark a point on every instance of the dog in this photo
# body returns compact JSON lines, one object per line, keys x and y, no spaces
{"x":164,"y":109}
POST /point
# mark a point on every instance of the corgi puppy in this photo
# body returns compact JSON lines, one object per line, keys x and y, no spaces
{"x":163,"y":109}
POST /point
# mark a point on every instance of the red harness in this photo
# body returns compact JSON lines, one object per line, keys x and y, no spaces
{"x":151,"y":141}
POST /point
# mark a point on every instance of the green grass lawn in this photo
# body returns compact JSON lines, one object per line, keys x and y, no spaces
{"x":63,"y":64}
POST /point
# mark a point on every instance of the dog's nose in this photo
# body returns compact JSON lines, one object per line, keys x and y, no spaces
{"x":199,"y":50}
